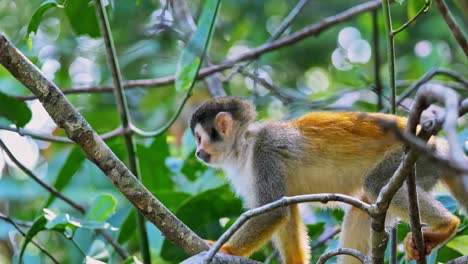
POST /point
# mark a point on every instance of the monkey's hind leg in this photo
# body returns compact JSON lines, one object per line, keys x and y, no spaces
{"x":355,"y":233}
{"x":292,"y":240}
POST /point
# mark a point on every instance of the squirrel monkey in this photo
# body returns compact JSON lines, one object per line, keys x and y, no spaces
{"x":321,"y":152}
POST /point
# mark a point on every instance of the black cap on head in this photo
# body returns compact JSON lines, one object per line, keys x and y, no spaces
{"x":240,"y":109}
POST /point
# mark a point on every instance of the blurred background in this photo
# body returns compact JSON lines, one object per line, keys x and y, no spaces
{"x":334,"y":71}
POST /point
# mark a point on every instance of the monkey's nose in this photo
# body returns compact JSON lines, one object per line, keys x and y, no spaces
{"x":203,"y":155}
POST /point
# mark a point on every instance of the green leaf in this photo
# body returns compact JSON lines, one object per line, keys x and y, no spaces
{"x":192,"y":55}
{"x":14,"y":110}
{"x":459,"y":244}
{"x":69,"y":168}
{"x":128,"y":227}
{"x":37,"y":16}
{"x":192,"y":166}
{"x":400,"y":1}
{"x":38,"y":226}
{"x":102,"y":208}
{"x":155,"y":175}
{"x":315,"y":230}
{"x":82,"y":17}
{"x":172,"y":199}
{"x":412,"y":8}
{"x":208,"y":207}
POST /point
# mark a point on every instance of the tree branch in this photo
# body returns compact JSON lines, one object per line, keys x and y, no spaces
{"x":79,"y":130}
{"x":16,"y":226}
{"x":285,"y":201}
{"x":312,"y":30}
{"x":124,"y":117}
{"x":344,"y":251}
{"x":452,"y":24}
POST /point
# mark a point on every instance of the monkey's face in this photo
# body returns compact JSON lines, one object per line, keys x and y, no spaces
{"x":214,"y":139}
{"x":207,"y":151}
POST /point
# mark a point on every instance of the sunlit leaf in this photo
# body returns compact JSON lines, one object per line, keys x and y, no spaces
{"x":82,"y":17}
{"x":70,"y":167}
{"x":102,"y":208}
{"x":14,"y":110}
{"x":459,"y":244}
{"x":37,"y":16}
{"x":192,"y":55}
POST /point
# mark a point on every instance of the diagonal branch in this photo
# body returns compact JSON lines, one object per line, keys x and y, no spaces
{"x":78,"y":129}
{"x":312,"y":30}
{"x":452,"y":24}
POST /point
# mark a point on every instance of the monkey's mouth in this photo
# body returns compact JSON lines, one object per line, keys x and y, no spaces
{"x":203,"y":156}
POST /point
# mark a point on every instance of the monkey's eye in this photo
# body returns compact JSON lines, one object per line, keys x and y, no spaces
{"x":198,"y":138}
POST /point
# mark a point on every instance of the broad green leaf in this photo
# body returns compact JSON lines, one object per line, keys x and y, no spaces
{"x":315,"y":230}
{"x":172,"y":199}
{"x":192,"y":55}
{"x":155,"y":175}
{"x":38,"y":226}
{"x":37,"y":16}
{"x":82,"y":17}
{"x":128,"y":227}
{"x":412,"y":8}
{"x":208,"y":207}
{"x":192,"y":166}
{"x":459,"y":244}
{"x":102,"y":208}
{"x":70,"y":167}
{"x":14,"y":110}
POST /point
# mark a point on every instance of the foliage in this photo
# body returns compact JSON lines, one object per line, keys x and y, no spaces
{"x":65,"y":43}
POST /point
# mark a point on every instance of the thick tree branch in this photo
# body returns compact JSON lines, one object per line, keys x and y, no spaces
{"x":79,"y":130}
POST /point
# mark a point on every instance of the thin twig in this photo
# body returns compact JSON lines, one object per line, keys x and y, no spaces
{"x":393,"y":245}
{"x":410,"y":21}
{"x":124,"y":117}
{"x":375,"y":44}
{"x":39,"y":181}
{"x":415,"y":219}
{"x":46,"y":137}
{"x":312,"y":30}
{"x":67,"y":200}
{"x":452,"y":24}
{"x":285,"y":201}
{"x":16,"y":226}
{"x":344,"y":251}
{"x":324,"y":239}
{"x":390,"y":53}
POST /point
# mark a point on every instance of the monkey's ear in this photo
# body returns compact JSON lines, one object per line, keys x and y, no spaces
{"x":224,"y":123}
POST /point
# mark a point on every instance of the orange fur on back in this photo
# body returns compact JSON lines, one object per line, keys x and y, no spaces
{"x":342,"y":135}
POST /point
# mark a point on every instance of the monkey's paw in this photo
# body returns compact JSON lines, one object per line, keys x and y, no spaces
{"x":224,"y":248}
{"x":412,"y":252}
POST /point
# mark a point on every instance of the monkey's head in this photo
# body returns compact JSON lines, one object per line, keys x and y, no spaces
{"x":216,"y":123}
